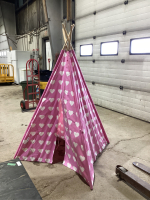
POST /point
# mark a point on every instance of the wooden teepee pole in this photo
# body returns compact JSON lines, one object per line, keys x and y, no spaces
{"x":68,"y":36}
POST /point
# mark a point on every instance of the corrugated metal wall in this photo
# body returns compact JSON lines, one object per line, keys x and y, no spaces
{"x":108,"y":72}
{"x":7,"y":29}
{"x":3,"y":40}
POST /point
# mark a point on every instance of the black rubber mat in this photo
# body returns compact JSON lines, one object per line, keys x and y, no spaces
{"x":15,"y":183}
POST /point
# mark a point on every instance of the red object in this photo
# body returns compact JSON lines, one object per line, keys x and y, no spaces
{"x":49,"y":59}
{"x":30,"y":67}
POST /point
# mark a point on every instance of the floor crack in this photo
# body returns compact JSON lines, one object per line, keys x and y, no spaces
{"x":130,"y":155}
{"x":58,"y":185}
{"x":127,"y":140}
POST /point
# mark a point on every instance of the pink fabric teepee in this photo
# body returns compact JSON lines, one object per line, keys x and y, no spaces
{"x":65,"y":110}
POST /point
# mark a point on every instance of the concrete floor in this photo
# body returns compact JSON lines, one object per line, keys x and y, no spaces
{"x":129,"y":141}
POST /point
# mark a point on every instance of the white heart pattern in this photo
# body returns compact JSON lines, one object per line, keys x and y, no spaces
{"x":49,"y":133}
{"x":50,"y":108}
{"x":40,"y":150}
{"x":25,"y":158}
{"x":52,"y":91}
{"x":67,"y":137}
{"x":67,"y":147}
{"x":82,"y":158}
{"x":69,"y":155}
{"x":42,"y":116}
{"x":77,"y":124}
{"x":32,"y":133}
{"x":47,"y":151}
{"x":69,"y":122}
{"x":66,"y":92}
{"x":88,"y":153}
{"x":41,"y":133}
{"x":41,"y":125}
{"x":76,"y":134}
{"x":49,"y":125}
{"x":68,"y":165}
{"x":65,"y":119}
{"x":65,"y":110}
{"x":60,"y":91}
{"x":41,"y":142}
{"x":25,"y":149}
{"x":65,"y":101}
{"x":63,"y":63}
{"x":103,"y":146}
{"x":43,"y":99}
{"x":40,"y":159}
{"x":42,"y":108}
{"x":75,"y":144}
{"x":74,"y":159}
{"x":52,"y":82}
{"x":82,"y":169}
{"x":32,"y":141}
{"x":71,"y":103}
{"x":33,"y":125}
{"x":47,"y":160}
{"x":32,"y":150}
{"x":51,"y":99}
{"x":74,"y":168}
{"x":67,"y":82}
{"x":60,"y":82}
{"x":48,"y":142}
{"x":50,"y":116}
{"x":61,"y":73}
{"x":70,"y":112}
{"x":25,"y":141}
{"x":68,"y":73}
{"x":65,"y":54}
{"x":32,"y":158}
{"x":82,"y":148}
{"x":72,"y":94}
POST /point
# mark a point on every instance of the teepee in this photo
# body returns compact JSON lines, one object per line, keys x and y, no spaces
{"x":65,"y":111}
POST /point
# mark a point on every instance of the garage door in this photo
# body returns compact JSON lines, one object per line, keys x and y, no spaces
{"x":117,"y":67}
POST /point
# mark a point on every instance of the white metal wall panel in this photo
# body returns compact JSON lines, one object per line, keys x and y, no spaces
{"x":134,"y":16}
{"x":85,"y":7}
{"x":129,"y":102}
{"x":133,"y":75}
{"x":111,"y":19}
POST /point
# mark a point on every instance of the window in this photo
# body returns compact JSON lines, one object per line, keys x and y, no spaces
{"x":140,"y":46}
{"x":109,"y":48}
{"x":86,"y":50}
{"x":0,"y":54}
{"x":4,"y":53}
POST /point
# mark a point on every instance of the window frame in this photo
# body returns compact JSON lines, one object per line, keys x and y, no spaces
{"x":137,"y":53}
{"x":109,"y":54}
{"x":86,"y":55}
